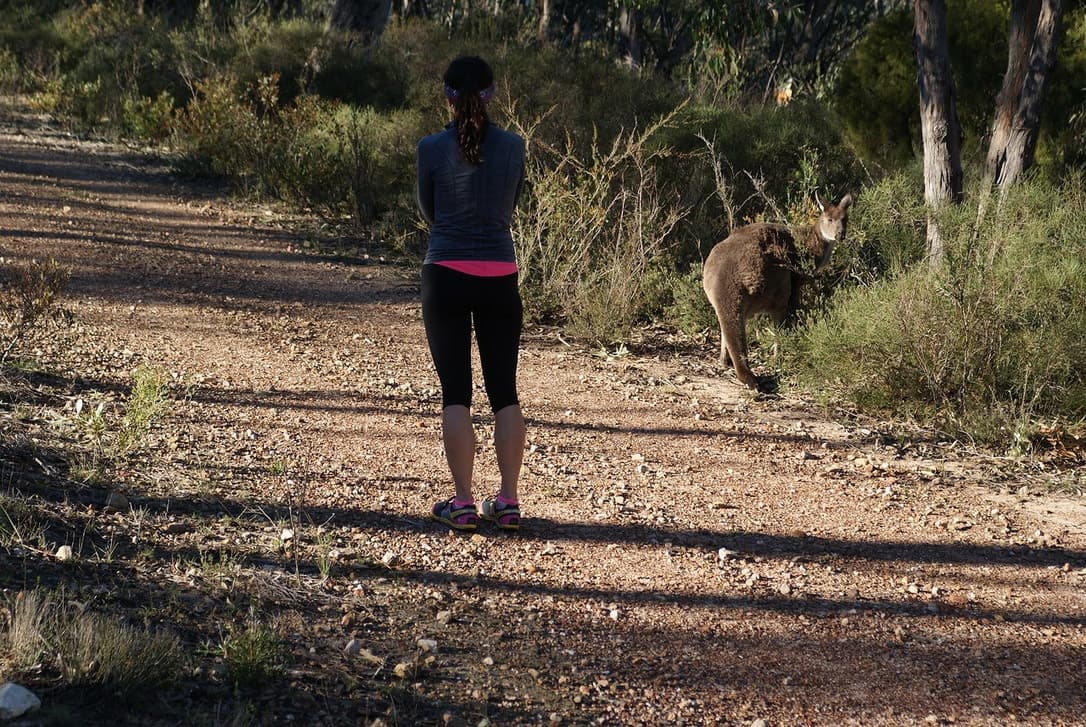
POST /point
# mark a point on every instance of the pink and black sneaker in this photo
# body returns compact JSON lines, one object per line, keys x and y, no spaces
{"x":458,"y":516}
{"x":504,"y":513}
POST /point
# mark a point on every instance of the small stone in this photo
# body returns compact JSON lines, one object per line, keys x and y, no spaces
{"x":555,"y":718}
{"x":64,"y":552}
{"x":453,"y":720}
{"x":372,"y":658}
{"x":287,"y":535}
{"x":353,"y":647}
{"x":759,"y":723}
{"x":785,"y":589}
{"x":402,"y":669}
{"x":428,"y":645}
{"x":614,"y":613}
{"x":16,"y":700}
{"x":390,"y":558}
{"x":444,"y":617}
{"x":116,"y":502}
{"x":957,"y":599}
{"x":725,"y":554}
{"x":478,"y":539}
{"x":488,"y":661}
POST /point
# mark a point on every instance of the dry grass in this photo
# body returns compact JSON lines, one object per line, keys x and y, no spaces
{"x":89,"y":649}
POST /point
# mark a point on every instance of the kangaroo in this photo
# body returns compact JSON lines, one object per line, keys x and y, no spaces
{"x":760,"y":268}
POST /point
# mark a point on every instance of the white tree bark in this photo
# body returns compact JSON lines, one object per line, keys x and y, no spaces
{"x":1034,"y":34}
{"x":938,"y":118}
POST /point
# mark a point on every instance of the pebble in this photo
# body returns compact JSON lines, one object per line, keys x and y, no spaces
{"x":390,"y":558}
{"x":16,"y":700}
{"x":402,"y":669}
{"x":116,"y":502}
{"x":64,"y":552}
{"x":488,"y":661}
{"x":444,"y":617}
{"x":286,"y":535}
{"x":427,"y":645}
{"x":759,"y":723}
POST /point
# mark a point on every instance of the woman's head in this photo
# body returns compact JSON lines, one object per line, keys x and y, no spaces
{"x":469,"y":86}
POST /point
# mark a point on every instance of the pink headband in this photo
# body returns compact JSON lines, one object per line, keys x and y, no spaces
{"x":485,"y":95}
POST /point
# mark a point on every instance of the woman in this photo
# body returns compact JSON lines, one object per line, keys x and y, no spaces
{"x":469,"y":178}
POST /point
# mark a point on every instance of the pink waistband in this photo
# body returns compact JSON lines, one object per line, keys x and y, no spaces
{"x":481,"y":268}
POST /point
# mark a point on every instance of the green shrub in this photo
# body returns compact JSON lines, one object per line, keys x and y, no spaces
{"x":887,"y":229}
{"x":111,"y":54}
{"x":689,"y":309}
{"x":276,"y":49}
{"x":988,"y":346}
{"x":146,"y":402}
{"x":253,"y":655}
{"x":150,"y":119}
{"x":217,"y":132}
{"x":374,"y":76}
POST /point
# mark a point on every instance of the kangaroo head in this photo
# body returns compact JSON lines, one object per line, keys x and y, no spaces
{"x":831,"y":226}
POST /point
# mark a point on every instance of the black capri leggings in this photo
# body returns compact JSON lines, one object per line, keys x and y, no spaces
{"x":451,"y":301}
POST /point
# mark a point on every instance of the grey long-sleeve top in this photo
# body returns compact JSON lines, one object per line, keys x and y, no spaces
{"x":469,"y":207}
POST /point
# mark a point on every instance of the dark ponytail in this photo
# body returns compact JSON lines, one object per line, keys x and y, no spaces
{"x":469,"y":84}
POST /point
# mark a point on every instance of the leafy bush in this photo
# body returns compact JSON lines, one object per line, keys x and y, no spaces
{"x":689,"y":309}
{"x":987,"y":346}
{"x":110,"y":54}
{"x":253,"y":655}
{"x":887,"y":228}
{"x":217,"y":132}
{"x":146,"y":402}
{"x":276,"y":49}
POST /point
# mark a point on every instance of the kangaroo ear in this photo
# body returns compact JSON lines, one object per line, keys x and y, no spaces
{"x":845,"y":202}
{"x":821,"y":207}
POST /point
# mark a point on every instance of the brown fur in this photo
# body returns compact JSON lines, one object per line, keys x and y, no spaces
{"x":760,"y":269}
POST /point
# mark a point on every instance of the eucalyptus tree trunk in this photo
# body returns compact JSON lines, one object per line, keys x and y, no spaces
{"x":938,"y":118}
{"x":629,"y":36}
{"x":1034,"y":34}
{"x":356,"y":20}
{"x":543,"y":31}
{"x":363,"y":18}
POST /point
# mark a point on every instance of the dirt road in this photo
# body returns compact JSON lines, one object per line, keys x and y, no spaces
{"x":691,"y":555}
